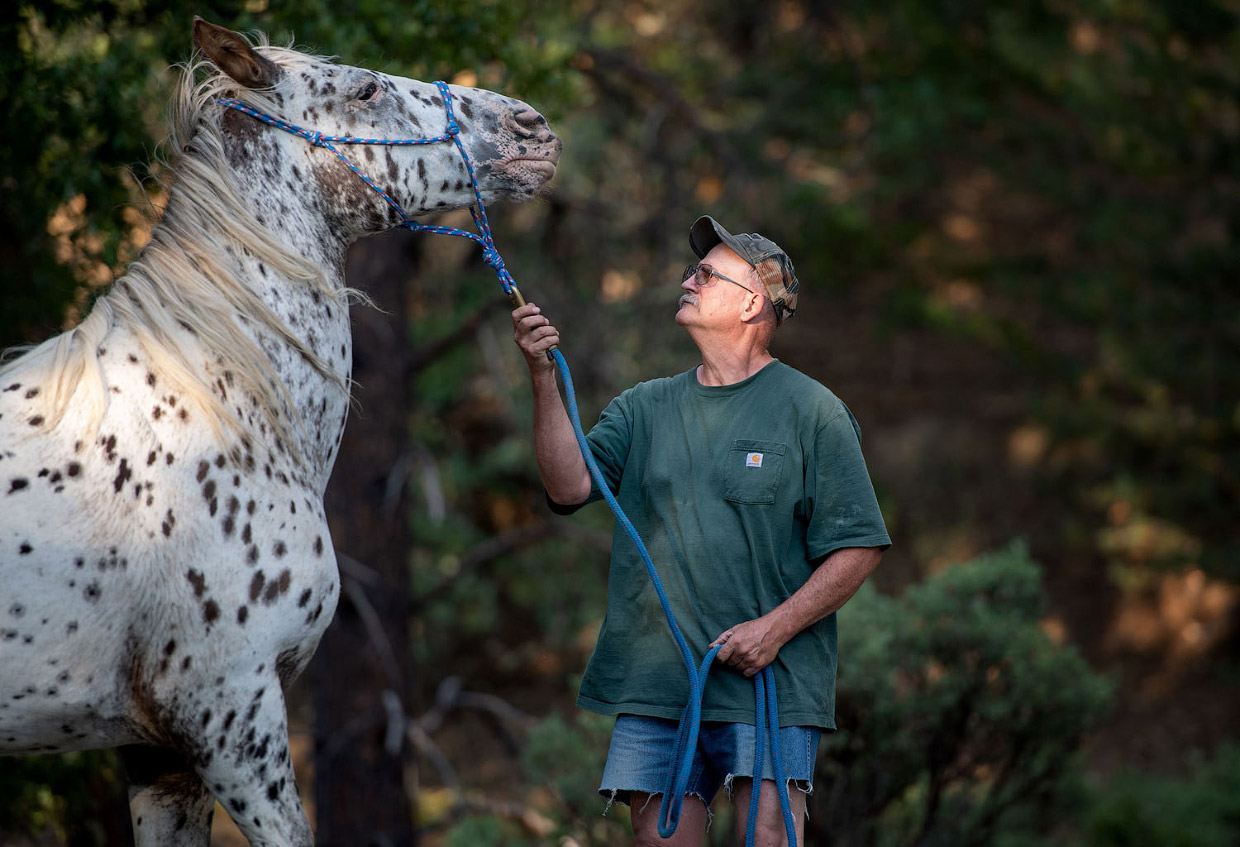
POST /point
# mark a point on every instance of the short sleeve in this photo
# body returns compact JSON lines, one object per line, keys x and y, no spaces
{"x":609,"y":440}
{"x":843,"y":511}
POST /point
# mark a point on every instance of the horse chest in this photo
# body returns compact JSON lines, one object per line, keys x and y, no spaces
{"x":181,"y":564}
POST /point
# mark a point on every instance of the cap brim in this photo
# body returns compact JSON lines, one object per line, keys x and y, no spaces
{"x":706,"y":234}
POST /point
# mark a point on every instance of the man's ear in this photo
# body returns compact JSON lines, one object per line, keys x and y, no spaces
{"x":233,"y":55}
{"x":754,"y":306}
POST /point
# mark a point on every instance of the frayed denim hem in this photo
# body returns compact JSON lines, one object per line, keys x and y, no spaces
{"x":621,"y":795}
{"x":803,"y":785}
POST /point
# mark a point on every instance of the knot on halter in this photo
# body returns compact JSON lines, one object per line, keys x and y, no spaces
{"x":454,"y":128}
{"x":315,"y":137}
{"x":491,"y":256}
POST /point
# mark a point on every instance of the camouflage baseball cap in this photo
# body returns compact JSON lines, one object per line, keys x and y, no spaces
{"x":768,"y":260}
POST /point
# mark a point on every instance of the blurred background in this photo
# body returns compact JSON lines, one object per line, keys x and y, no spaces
{"x":1013,"y":223}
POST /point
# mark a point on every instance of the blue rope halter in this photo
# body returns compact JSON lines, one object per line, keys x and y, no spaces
{"x":453,"y":133}
{"x":766,"y":711}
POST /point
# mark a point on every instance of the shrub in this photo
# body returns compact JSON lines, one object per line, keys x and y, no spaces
{"x":568,"y":759}
{"x":959,"y":716}
{"x":1202,"y":810}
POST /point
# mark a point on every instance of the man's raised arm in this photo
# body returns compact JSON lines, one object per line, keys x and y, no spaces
{"x":563,"y":470}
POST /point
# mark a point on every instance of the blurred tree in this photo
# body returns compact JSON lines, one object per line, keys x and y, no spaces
{"x":363,"y":670}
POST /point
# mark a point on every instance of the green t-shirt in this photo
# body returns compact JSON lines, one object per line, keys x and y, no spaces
{"x":738,"y":491}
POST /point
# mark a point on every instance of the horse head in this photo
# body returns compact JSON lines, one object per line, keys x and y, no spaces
{"x":511,"y":147}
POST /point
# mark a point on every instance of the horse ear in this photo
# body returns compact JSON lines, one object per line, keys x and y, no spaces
{"x":233,"y":55}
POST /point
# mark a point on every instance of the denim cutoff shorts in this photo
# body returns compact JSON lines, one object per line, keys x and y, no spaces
{"x":641,"y":751}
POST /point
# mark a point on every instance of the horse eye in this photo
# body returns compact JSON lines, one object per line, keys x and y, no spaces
{"x":368,"y":91}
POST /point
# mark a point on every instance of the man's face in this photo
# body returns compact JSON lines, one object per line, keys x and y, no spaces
{"x":712,"y":302}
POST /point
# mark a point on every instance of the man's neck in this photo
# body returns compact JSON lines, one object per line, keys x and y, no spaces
{"x":726,"y":365}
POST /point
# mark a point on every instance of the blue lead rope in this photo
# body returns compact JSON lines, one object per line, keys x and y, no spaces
{"x":766,"y":711}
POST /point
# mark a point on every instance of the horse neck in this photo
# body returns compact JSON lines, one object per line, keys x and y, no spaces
{"x":295,"y":328}
{"x":316,"y":315}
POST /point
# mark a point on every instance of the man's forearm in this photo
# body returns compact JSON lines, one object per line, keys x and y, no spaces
{"x":750,"y":646}
{"x":829,"y":587}
{"x":563,"y":470}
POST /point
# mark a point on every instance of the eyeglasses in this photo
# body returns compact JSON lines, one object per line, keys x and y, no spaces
{"x":703,"y":274}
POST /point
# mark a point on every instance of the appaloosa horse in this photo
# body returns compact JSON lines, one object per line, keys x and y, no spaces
{"x":165,"y":563}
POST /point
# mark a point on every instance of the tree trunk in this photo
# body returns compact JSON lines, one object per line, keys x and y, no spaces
{"x":363,"y":663}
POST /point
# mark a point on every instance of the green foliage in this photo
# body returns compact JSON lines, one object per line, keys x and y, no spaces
{"x":959,"y":717}
{"x":68,"y":799}
{"x":86,"y":82}
{"x":64,"y":67}
{"x":567,"y":757}
{"x":1048,"y":181}
{"x":561,"y":754}
{"x":1134,"y":809}
{"x":484,"y":831}
{"x":479,"y":484}
{"x":1137,"y":809}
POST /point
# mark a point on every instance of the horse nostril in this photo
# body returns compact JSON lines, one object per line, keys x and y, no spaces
{"x":529,"y":119}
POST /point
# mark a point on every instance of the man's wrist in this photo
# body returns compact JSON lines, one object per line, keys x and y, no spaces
{"x":541,"y":372}
{"x":783,"y":626}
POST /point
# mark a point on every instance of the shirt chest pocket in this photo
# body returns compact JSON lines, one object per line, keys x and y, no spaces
{"x":752,"y":472}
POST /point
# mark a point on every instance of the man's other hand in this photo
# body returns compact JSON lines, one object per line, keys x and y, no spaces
{"x":750,"y":646}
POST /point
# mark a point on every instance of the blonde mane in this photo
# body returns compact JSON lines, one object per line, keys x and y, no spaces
{"x":181,"y":296}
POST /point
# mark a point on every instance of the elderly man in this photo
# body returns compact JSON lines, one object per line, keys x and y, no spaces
{"x":746,"y":480}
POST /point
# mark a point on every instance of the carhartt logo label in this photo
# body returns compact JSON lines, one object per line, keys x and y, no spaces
{"x":753,"y":460}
